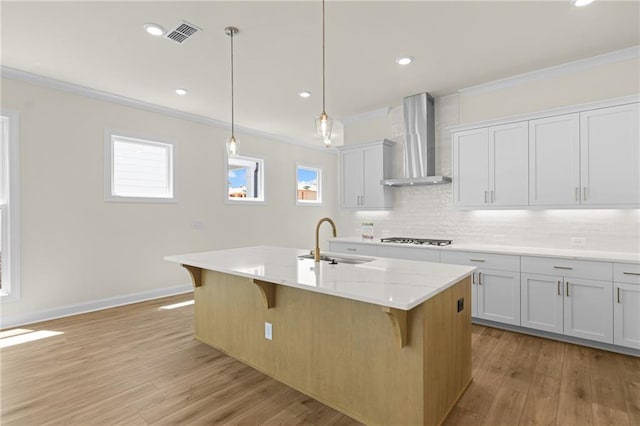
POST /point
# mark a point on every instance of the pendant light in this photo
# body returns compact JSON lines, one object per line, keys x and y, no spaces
{"x":324,"y":123}
{"x":232,"y":143}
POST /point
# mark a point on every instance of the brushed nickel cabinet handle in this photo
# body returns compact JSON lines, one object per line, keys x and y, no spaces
{"x":631,"y":273}
{"x":485,"y":197}
{"x":567,"y":288}
{"x":563,"y":267}
{"x":584,"y":193}
{"x":477,"y":260}
{"x":559,"y":290}
{"x":473,"y":278}
{"x":577,"y":194}
{"x":492,"y":196}
{"x":479,"y":278}
{"x":619,"y":295}
{"x":351,"y":249}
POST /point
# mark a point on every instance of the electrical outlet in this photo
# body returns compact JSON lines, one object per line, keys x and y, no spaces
{"x":578,"y":241}
{"x":498,"y":238}
{"x":268,"y":331}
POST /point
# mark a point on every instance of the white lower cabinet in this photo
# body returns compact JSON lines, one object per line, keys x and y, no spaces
{"x":495,"y":293}
{"x":626,"y":305}
{"x":567,"y":303}
{"x":542,"y":302}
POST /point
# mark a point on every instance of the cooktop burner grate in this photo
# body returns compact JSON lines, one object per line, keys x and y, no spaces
{"x":419,"y":241}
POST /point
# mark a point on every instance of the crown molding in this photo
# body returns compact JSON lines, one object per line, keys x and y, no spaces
{"x":52,"y":83}
{"x":544,"y":73}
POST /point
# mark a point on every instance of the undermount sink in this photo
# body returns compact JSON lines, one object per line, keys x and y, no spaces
{"x":338,"y":259}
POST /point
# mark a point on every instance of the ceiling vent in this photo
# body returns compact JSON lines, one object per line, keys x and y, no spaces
{"x":182,"y":32}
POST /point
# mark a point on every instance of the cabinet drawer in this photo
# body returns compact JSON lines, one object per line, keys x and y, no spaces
{"x":503,"y":262}
{"x":626,"y":273}
{"x":349,"y":248}
{"x":410,"y":253}
{"x":568,"y":267}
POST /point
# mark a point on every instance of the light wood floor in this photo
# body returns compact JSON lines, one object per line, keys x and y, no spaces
{"x":140,"y":365}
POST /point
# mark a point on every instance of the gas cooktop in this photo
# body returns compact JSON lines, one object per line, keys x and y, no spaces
{"x":419,"y":241}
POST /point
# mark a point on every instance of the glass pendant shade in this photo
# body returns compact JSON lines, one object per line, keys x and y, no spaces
{"x":324,"y":125}
{"x":232,"y":147}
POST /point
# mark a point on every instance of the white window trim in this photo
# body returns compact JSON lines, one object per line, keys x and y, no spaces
{"x":109,"y":136}
{"x":317,"y":202}
{"x":11,"y":261}
{"x":244,"y":201}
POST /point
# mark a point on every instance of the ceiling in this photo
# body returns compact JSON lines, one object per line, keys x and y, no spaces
{"x":456,"y":44}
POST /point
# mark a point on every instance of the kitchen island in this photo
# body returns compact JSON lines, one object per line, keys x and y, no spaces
{"x":385,"y":341}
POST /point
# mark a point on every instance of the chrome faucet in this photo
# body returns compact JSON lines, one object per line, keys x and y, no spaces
{"x":316,"y":253}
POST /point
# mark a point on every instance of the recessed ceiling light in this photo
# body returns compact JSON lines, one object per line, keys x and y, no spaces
{"x":404,"y":60}
{"x":154,"y":29}
{"x":181,"y":92}
{"x":305,"y":94}
{"x":581,"y":3}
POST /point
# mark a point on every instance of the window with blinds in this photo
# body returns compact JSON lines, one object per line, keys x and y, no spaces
{"x":140,"y":170}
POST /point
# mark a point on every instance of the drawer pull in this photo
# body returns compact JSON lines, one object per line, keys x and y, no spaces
{"x":351,"y":249}
{"x":473,"y":278}
{"x":619,"y":295}
{"x":477,"y":260}
{"x":479,"y":278}
{"x":559,"y":290}
{"x":567,"y":288}
{"x":631,"y":273}
{"x":563,"y":267}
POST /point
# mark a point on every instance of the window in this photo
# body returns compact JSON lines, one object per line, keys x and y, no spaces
{"x":245,"y":176}
{"x":308,"y":185}
{"x":9,"y":207}
{"x":138,"y":170}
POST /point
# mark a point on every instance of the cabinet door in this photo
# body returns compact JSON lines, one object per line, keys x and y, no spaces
{"x":626,"y":318}
{"x":471,"y":167}
{"x":508,"y":164}
{"x":352,"y":178}
{"x":474,"y":295}
{"x":554,"y":160}
{"x":610,"y":155}
{"x":373,"y":167}
{"x":542,"y":302}
{"x":499,"y":296}
{"x":588,"y":310}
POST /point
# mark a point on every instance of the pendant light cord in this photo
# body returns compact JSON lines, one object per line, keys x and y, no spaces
{"x":232,"y":110}
{"x":323,"y":65}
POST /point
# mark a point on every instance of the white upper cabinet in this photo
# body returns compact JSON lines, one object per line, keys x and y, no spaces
{"x":490,"y":166}
{"x":508,"y":153}
{"x":554,"y":160}
{"x":471,"y":167}
{"x":580,"y":156}
{"x":363,"y":167}
{"x":610,"y":155}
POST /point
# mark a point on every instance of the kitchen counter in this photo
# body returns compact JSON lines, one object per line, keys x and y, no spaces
{"x":597,"y":255}
{"x":387,"y":341}
{"x":397,"y":283}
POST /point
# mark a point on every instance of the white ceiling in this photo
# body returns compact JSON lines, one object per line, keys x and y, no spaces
{"x":102,"y":45}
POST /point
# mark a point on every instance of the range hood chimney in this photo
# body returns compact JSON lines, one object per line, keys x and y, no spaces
{"x":420,"y":143}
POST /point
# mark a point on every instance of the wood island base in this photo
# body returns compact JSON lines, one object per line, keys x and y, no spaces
{"x":346,"y":354}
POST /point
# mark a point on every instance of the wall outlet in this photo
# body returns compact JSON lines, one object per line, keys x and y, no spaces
{"x":197,"y":224}
{"x":578,"y":241}
{"x":268,"y":331}
{"x":498,"y":238}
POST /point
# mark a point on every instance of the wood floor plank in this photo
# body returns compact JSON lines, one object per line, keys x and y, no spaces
{"x":140,"y":365}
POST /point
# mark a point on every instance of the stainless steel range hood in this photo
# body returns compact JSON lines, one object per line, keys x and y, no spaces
{"x":420,"y":144}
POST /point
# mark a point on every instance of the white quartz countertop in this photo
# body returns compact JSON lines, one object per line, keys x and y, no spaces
{"x":606,"y":256}
{"x":397,"y":283}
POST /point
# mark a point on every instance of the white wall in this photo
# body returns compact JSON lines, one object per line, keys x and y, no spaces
{"x":77,"y":248}
{"x":426,"y":211}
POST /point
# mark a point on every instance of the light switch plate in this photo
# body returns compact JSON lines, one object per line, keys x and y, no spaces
{"x":268,"y":331}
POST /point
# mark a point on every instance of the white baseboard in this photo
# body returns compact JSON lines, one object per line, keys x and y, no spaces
{"x":9,"y":321}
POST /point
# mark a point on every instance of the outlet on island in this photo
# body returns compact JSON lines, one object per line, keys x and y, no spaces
{"x":268,"y":331}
